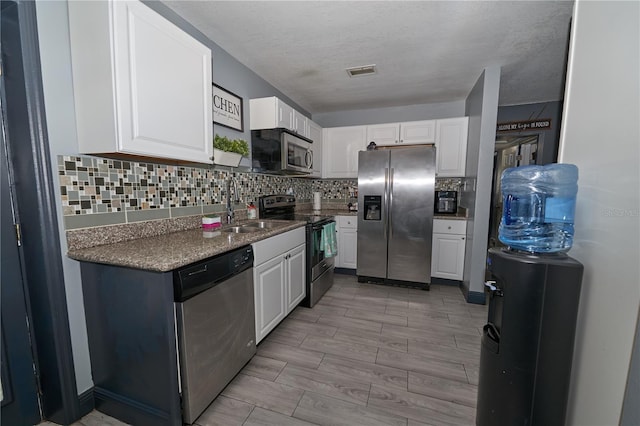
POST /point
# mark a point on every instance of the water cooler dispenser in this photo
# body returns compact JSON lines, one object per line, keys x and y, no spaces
{"x":527,"y":343}
{"x":534,"y":293}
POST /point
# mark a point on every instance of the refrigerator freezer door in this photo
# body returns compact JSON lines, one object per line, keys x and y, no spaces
{"x":373,"y":182}
{"x":411,"y":197}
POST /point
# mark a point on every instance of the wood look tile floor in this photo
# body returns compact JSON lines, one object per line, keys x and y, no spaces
{"x":366,"y":354}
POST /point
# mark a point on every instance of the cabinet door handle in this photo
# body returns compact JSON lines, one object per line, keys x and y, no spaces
{"x":463,"y":238}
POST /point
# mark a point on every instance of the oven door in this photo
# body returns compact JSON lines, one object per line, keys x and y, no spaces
{"x":318,"y":262}
{"x":296,"y":153}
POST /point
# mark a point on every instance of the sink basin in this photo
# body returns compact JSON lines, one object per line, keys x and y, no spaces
{"x":240,"y":229}
{"x":262,"y":224}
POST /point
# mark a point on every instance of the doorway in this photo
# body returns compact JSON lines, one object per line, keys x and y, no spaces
{"x":514,"y":151}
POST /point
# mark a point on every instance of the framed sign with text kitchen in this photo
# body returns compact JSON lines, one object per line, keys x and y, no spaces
{"x":227,"y":109}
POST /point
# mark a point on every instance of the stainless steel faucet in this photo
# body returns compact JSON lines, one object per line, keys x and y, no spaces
{"x":231,"y":183}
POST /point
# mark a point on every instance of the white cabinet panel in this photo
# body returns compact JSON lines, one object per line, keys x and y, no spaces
{"x":340,"y":150}
{"x":451,"y":146}
{"x":408,"y":133}
{"x":300,"y":124}
{"x":315,"y":134}
{"x":142,"y":86}
{"x":269,"y":292}
{"x":271,"y":112}
{"x":296,"y":277}
{"x":418,"y":132}
{"x":347,"y":235}
{"x":449,"y":243}
{"x":384,"y":134}
{"x":279,"y":278}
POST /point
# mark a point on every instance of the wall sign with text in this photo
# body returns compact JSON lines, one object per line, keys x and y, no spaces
{"x":227,"y":108}
{"x":514,"y":126}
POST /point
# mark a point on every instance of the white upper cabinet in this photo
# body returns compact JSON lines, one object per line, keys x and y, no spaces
{"x":418,"y":132}
{"x":340,"y":151}
{"x":384,"y":134}
{"x":407,"y":133}
{"x":315,"y":134}
{"x":300,"y":124}
{"x":451,"y":146}
{"x":271,"y":112}
{"x":142,"y":86}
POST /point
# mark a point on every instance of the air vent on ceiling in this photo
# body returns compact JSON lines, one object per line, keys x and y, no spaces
{"x":361,"y":71}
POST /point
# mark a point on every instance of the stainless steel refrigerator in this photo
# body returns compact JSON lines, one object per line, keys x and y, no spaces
{"x":395,"y":214}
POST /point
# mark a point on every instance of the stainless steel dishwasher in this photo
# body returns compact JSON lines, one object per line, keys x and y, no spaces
{"x":215,"y":325}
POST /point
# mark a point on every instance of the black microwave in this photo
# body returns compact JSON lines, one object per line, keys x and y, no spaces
{"x":446,"y":202}
{"x":281,"y":151}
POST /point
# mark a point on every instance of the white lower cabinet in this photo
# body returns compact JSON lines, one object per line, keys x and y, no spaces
{"x":347,"y":235}
{"x":295,"y":277}
{"x":279,"y":279}
{"x":449,"y":243}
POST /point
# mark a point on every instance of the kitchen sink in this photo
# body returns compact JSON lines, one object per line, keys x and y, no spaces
{"x":241,"y":229}
{"x":262,"y":224}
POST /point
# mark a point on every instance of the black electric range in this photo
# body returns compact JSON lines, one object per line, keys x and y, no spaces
{"x":319,"y":267}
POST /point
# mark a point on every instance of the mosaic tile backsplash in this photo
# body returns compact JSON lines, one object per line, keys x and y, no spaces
{"x":91,"y":185}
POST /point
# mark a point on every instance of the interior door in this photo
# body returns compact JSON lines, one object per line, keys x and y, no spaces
{"x":19,"y":392}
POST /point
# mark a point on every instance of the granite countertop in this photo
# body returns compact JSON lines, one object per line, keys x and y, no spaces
{"x":457,"y":216}
{"x":173,"y":250}
{"x":332,"y":212}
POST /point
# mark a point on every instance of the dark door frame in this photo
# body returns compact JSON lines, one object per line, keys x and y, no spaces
{"x":36,"y":200}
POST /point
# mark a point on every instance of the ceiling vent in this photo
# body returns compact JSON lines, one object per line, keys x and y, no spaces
{"x":361,"y":71}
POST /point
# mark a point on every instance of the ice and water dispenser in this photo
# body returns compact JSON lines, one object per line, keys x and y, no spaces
{"x":372,"y":207}
{"x":534,"y":293}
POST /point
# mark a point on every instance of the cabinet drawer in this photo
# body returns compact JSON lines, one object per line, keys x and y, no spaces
{"x":277,"y":245}
{"x":347,"y":222}
{"x":444,"y":226}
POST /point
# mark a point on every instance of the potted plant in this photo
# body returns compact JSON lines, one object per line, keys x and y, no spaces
{"x":229,"y":152}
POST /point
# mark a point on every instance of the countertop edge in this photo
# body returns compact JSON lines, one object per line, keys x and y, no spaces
{"x":167,"y":252}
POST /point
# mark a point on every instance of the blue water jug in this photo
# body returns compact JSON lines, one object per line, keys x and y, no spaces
{"x":539,"y":204}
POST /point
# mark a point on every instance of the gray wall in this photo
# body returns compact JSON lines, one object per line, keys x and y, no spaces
{"x":53,"y":28}
{"x":55,"y":56}
{"x":600,"y":135}
{"x":390,"y":114}
{"x":548,"y":149}
{"x":481,"y":107}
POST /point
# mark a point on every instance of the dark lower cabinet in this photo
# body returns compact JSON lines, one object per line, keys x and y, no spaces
{"x":132,"y":343}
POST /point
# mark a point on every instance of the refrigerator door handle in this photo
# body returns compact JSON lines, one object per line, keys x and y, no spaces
{"x":390,"y":206}
{"x":385,"y":203}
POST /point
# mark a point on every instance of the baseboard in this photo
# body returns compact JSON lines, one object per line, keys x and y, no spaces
{"x":444,"y":281}
{"x":131,"y":411}
{"x":87,"y":402}
{"x":476,"y":297}
{"x":345,"y":271}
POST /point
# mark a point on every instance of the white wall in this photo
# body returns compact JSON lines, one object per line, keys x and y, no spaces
{"x":600,"y":134}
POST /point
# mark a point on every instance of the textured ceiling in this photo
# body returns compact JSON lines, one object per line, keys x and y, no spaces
{"x":424,"y":51}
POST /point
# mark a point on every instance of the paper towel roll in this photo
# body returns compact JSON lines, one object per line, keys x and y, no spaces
{"x":317,"y":203}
